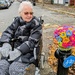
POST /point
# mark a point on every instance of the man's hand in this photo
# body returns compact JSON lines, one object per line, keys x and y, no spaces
{"x":4,"y":50}
{"x":14,"y":54}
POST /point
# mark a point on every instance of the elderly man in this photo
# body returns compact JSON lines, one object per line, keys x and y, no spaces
{"x":26,"y":30}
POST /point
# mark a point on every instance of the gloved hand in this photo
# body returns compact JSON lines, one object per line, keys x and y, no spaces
{"x":4,"y":50}
{"x":14,"y":54}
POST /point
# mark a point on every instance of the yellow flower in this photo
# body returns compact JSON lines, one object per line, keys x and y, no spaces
{"x":65,"y":40}
{"x":62,"y":34}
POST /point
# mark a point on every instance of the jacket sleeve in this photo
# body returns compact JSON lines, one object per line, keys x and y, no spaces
{"x":9,"y":32}
{"x":34,"y":37}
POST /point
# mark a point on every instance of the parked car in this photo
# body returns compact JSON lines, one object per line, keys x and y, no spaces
{"x":9,"y":3}
{"x":3,"y":4}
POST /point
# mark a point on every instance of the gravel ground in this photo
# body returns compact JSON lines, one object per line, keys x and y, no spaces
{"x":48,"y":33}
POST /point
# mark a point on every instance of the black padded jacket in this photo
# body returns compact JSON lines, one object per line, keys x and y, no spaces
{"x":27,"y":33}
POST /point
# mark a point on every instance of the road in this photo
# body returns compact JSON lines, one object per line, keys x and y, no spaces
{"x":7,"y":15}
{"x":53,"y":18}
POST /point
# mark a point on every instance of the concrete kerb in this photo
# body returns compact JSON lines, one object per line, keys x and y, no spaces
{"x":65,"y":12}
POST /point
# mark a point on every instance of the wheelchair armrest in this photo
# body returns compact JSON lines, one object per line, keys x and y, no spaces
{"x":34,"y":52}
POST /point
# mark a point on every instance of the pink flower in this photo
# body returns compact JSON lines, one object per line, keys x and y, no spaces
{"x":65,"y":45}
{"x":73,"y":32}
{"x":72,"y":38}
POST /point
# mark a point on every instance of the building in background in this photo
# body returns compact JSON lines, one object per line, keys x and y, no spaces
{"x":61,"y":2}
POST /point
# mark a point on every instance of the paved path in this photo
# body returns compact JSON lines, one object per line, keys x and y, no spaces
{"x":70,"y":10}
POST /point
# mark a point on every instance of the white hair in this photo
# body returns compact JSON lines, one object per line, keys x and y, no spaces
{"x":23,"y":4}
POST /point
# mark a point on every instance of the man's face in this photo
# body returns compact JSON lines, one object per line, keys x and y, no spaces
{"x":27,"y":13}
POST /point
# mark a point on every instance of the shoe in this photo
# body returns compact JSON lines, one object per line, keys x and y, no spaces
{"x":37,"y":71}
{"x":30,"y":70}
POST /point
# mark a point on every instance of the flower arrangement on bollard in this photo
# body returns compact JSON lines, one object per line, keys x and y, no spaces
{"x":65,"y":35}
{"x":65,"y":38}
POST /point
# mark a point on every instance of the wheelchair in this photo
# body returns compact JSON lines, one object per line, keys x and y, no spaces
{"x":41,"y":56}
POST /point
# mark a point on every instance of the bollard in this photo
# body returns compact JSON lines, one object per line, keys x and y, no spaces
{"x":61,"y":55}
{"x":65,"y":39}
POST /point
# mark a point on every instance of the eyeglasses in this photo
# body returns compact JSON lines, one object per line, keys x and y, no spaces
{"x":26,"y":13}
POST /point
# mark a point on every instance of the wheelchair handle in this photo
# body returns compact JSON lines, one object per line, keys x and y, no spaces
{"x":14,"y":39}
